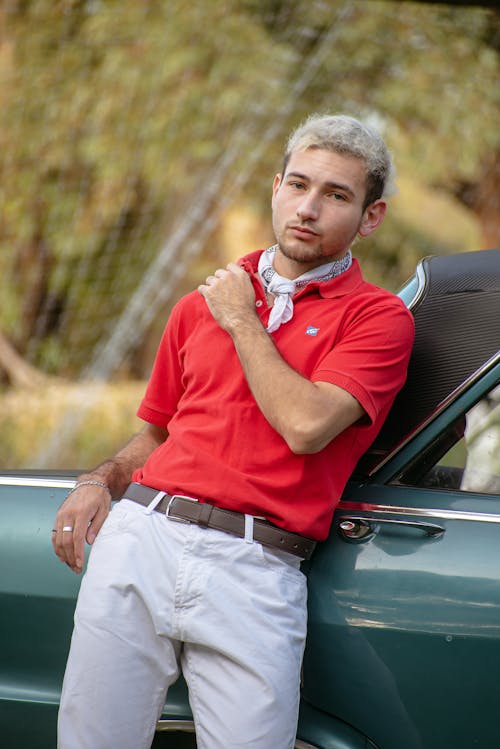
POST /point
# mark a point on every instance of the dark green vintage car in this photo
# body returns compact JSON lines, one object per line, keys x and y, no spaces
{"x":404,"y":598}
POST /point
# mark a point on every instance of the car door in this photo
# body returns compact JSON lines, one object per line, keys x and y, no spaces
{"x":37,"y":603}
{"x":404,"y":597}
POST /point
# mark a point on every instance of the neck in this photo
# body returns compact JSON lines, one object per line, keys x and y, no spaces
{"x":289,"y":268}
{"x":292,"y":269}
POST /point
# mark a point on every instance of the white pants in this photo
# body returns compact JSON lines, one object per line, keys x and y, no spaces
{"x":159,"y":595}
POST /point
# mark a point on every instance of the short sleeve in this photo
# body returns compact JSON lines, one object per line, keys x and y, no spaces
{"x":165,"y":388}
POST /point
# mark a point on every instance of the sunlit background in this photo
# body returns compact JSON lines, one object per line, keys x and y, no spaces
{"x":138,"y":143}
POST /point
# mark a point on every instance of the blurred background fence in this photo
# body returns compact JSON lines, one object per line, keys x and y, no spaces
{"x":138,"y":143}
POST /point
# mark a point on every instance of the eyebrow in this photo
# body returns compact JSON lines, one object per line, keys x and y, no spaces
{"x":329,"y":185}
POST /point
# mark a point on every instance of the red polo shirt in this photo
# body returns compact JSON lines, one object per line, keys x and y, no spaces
{"x":220,"y":446}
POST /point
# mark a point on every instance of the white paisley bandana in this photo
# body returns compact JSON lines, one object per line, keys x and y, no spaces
{"x":283,"y":289}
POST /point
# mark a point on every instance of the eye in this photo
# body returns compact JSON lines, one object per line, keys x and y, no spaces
{"x":338,"y":196}
{"x":297,"y":185}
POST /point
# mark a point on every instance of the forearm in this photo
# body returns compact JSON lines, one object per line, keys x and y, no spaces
{"x":274,"y":385}
{"x":117,"y":472}
{"x":307,"y":415}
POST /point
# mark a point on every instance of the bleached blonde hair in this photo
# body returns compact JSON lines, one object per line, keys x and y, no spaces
{"x":348,"y":136}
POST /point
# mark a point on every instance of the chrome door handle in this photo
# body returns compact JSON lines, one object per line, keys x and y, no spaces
{"x":359,"y":527}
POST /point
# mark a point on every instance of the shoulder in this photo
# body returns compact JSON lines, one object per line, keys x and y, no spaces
{"x":188,"y":305}
{"x":377,"y":311}
{"x":368,"y":295}
{"x":357,"y":294}
{"x":193,"y":303}
{"x":184,"y":316}
{"x":387,"y":302}
{"x":250,"y":261}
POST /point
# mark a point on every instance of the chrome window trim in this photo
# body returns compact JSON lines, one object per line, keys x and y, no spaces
{"x":164,"y":725}
{"x":477,"y":517}
{"x":453,"y":396}
{"x":421,"y":284}
{"x":175,"y":725}
{"x":34,"y":481}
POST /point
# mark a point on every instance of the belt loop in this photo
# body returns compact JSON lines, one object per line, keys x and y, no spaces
{"x":249,"y":529}
{"x":155,"y":501}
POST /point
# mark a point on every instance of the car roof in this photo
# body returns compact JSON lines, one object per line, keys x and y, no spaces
{"x":456,"y":307}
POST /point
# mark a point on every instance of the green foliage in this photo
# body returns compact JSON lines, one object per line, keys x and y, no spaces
{"x":81,"y":423}
{"x":116,"y":117}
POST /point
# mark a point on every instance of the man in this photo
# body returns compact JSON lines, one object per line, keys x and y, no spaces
{"x":269,"y":383}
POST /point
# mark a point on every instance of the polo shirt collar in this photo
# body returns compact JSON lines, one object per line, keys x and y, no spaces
{"x":346,"y":283}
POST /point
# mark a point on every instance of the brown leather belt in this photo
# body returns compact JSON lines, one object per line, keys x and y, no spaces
{"x":189,"y":510}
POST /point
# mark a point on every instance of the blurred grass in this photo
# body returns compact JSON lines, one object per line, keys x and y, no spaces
{"x":88,"y":422}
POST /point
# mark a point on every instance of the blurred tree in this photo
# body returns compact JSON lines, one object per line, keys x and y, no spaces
{"x":110,"y":134}
{"x":428,"y":77}
{"x":125,"y":125}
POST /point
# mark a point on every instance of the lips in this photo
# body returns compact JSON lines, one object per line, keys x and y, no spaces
{"x":302,"y":231}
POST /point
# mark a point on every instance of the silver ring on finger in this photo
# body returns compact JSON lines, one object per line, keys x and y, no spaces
{"x":67,"y":529}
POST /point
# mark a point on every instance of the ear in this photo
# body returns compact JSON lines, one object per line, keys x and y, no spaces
{"x":276,"y":184}
{"x":372,"y":217}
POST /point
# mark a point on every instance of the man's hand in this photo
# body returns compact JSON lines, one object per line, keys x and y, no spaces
{"x":230,"y":297}
{"x":87,"y":507}
{"x":84,"y":511}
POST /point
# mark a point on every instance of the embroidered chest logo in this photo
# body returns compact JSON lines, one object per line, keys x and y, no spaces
{"x":311,"y":330}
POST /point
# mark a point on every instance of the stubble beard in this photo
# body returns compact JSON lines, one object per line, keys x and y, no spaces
{"x":307,"y":255}
{"x":299,"y":255}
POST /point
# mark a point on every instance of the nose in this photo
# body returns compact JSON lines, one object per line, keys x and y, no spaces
{"x":308,"y":208}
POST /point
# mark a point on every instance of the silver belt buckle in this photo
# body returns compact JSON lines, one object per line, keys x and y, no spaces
{"x":174,"y":517}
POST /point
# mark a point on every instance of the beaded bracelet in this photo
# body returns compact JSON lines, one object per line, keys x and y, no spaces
{"x":88,"y":483}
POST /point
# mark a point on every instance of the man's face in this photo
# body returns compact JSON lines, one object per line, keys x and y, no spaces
{"x":318,"y":209}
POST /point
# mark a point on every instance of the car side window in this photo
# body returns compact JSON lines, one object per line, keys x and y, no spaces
{"x":467,"y":458}
{"x":482,"y":440}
